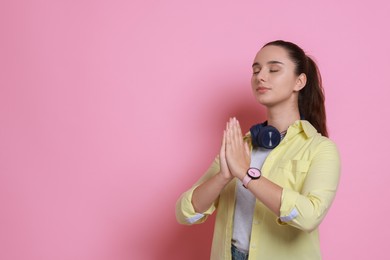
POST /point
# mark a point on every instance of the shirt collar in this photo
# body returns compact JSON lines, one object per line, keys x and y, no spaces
{"x":302,"y":125}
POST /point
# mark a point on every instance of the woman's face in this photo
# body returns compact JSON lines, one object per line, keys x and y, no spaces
{"x":274,"y":81}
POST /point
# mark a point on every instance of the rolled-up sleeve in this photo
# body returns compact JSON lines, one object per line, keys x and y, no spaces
{"x":185,"y":212}
{"x":306,"y":209}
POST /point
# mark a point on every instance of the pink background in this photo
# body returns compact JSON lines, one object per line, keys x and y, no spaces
{"x":110,"y":109}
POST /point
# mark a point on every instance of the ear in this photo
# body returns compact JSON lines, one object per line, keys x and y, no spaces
{"x":300,"y":82}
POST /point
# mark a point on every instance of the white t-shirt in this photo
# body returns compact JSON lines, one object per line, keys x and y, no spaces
{"x":245,"y":204}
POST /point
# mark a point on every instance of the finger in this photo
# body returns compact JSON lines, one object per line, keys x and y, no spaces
{"x":223,"y":146}
{"x":237,"y":132}
{"x":229,"y":133}
{"x":222,"y":150}
{"x":231,"y":123}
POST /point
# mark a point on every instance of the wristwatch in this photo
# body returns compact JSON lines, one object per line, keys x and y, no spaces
{"x":251,"y":174}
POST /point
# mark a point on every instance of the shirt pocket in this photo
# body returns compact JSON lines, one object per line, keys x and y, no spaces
{"x":294,"y":173}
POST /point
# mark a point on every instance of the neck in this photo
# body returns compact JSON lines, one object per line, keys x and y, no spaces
{"x":281,"y":119}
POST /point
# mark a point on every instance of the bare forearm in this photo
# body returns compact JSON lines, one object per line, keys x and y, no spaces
{"x":205,"y":195}
{"x":269,"y":193}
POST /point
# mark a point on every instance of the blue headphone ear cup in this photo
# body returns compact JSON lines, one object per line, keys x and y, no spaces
{"x":255,"y":132}
{"x":265,"y":136}
{"x":269,"y":137}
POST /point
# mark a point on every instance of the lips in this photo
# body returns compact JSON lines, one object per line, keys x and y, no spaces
{"x":262,"y":89}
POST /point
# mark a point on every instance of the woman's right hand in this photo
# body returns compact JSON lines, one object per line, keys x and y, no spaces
{"x":208,"y":192}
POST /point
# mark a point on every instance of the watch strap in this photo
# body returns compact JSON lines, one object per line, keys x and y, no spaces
{"x":246,"y":180}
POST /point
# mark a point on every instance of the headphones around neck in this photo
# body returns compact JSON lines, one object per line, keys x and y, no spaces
{"x":267,"y":136}
{"x":264,"y":135}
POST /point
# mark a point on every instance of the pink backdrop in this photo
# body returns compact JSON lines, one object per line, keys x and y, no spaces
{"x":110,"y":109}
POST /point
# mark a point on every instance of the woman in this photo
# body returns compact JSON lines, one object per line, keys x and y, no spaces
{"x":271,"y":191}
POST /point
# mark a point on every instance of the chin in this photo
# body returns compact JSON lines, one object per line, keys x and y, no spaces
{"x":264,"y":101}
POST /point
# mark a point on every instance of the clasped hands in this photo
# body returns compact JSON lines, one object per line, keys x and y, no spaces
{"x":234,"y":155}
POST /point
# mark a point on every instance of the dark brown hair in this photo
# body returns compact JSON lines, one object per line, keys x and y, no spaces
{"x":311,"y":99}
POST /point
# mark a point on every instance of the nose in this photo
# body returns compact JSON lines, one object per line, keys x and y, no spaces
{"x":261,"y":76}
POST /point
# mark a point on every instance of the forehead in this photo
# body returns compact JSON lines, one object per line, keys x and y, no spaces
{"x":272,"y":53}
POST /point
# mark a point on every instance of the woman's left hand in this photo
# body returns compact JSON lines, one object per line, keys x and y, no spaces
{"x":237,"y":151}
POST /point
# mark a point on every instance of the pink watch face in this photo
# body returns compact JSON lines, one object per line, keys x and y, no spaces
{"x":254,"y":173}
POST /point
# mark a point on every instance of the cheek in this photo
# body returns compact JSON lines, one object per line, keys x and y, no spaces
{"x":253,"y":82}
{"x":284,"y":81}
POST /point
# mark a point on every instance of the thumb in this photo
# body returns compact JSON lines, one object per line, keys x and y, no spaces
{"x":247,"y":148}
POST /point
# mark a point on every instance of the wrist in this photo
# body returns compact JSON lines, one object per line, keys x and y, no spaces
{"x":223,"y":178}
{"x":241,"y":173}
{"x":251,"y":174}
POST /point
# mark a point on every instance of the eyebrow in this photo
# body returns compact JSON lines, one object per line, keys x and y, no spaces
{"x":269,"y":62}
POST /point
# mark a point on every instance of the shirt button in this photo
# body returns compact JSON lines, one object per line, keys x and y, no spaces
{"x":257,"y":222}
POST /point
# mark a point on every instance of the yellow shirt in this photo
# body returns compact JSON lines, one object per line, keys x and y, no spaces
{"x":307,"y":166}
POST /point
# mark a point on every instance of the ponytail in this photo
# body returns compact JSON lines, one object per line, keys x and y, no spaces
{"x":311,"y":99}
